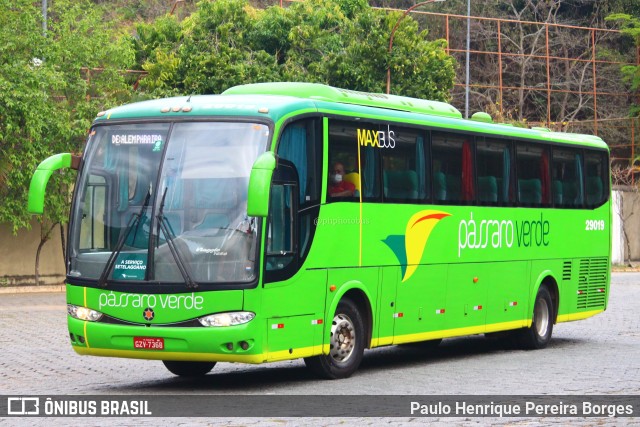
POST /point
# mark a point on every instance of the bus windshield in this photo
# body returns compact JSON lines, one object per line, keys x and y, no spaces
{"x":166,"y":203}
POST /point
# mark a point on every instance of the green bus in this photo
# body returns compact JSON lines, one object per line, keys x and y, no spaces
{"x":293,"y":220}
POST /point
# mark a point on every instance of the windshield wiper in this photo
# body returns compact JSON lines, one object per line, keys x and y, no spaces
{"x":135,"y":219}
{"x":165,"y":227}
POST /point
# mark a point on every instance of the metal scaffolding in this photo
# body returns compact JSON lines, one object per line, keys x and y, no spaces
{"x":604,"y":101}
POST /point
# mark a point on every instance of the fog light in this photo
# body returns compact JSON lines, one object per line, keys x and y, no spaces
{"x":244,"y":345}
{"x":230,"y":346}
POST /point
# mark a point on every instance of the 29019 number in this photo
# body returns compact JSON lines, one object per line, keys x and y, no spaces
{"x":594,"y":225}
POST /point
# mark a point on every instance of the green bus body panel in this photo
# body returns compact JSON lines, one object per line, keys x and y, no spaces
{"x":421,"y":271}
{"x":168,"y":308}
{"x":453,"y":289}
{"x":40,"y":178}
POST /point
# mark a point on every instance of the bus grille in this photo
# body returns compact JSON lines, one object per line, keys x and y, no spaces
{"x":592,"y":283}
{"x":566,"y":270}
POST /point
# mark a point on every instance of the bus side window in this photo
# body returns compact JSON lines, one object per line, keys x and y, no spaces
{"x":567,"y":178}
{"x":453,"y":174}
{"x":533,"y":184}
{"x":282,"y":223}
{"x":94,"y":210}
{"x":596,"y":182}
{"x":300,"y":143}
{"x":404,"y":166}
{"x":355,"y":145}
{"x":494,"y":171}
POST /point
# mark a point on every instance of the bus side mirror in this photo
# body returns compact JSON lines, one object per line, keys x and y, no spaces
{"x":260,"y":184}
{"x":41,"y":176}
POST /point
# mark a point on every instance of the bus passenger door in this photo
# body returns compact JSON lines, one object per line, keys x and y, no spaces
{"x":294,"y":294}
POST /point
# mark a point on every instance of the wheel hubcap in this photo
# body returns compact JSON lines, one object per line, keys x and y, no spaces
{"x":343,"y":338}
{"x":542,"y":317}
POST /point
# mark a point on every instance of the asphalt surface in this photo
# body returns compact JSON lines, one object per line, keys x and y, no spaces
{"x":596,"y":356}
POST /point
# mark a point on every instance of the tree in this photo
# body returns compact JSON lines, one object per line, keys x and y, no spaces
{"x":631,"y":27}
{"x":342,"y":43}
{"x":49,"y":87}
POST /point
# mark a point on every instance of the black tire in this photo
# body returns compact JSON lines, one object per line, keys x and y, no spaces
{"x":539,"y":334}
{"x":346,"y":344}
{"x":188,"y":369}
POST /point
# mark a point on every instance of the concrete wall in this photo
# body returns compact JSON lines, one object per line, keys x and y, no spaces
{"x":617,"y":237}
{"x":626,"y":213}
{"x":18,"y":257}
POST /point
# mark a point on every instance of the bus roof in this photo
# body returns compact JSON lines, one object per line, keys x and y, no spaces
{"x":276,"y":100}
{"x":322,"y":92}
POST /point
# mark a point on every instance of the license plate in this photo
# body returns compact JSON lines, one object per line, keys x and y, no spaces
{"x":146,"y":343}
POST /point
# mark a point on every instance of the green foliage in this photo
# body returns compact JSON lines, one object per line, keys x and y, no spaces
{"x":48,"y":95}
{"x":342,"y":43}
{"x":631,"y":27}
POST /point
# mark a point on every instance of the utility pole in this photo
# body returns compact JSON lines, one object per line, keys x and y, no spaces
{"x":466,"y":84}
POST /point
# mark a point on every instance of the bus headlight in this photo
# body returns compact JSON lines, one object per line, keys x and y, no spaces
{"x":227,"y":319}
{"x":83,"y":313}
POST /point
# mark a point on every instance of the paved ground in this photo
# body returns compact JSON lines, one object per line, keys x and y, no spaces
{"x":599,"y":355}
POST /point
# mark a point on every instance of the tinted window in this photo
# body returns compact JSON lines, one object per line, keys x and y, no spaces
{"x":404,"y":166}
{"x":354,"y":150}
{"x":533,"y":175}
{"x":453,"y":175}
{"x":494,"y":171}
{"x":567,"y":181}
{"x":597,"y":178}
{"x":300,"y":144}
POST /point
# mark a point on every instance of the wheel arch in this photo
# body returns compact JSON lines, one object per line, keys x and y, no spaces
{"x":548,"y":280}
{"x":359,"y":295}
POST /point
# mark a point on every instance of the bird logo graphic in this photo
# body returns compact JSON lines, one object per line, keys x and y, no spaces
{"x":410,"y":247}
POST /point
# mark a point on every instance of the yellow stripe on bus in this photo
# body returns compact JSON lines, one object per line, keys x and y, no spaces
{"x":172,"y":355}
{"x":86,"y":339}
{"x":450,"y":333}
{"x":577,"y":316}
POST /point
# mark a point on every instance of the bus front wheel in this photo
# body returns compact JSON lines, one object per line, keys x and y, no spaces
{"x":188,"y":369}
{"x":346,"y":344}
{"x":538,"y":335}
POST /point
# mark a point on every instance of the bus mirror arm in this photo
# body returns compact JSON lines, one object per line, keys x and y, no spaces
{"x":76,"y":161}
{"x":41,"y":176}
{"x":260,"y":184}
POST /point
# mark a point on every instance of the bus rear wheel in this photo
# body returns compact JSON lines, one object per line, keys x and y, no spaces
{"x":188,"y":369}
{"x":538,"y":335}
{"x":346,"y":344}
